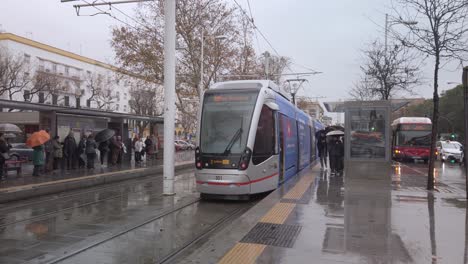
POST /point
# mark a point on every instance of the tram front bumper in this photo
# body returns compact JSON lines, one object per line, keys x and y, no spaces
{"x":224,"y":184}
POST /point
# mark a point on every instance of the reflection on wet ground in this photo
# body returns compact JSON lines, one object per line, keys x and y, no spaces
{"x":41,"y":230}
{"x":387,"y":219}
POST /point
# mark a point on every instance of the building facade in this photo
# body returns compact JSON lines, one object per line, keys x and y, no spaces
{"x":68,"y":93}
{"x":63,"y":78}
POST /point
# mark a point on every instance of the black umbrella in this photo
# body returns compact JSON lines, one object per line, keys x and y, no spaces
{"x":104,"y":135}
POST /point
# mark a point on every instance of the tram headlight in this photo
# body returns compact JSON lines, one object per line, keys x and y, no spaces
{"x":198,"y":161}
{"x":245,"y":159}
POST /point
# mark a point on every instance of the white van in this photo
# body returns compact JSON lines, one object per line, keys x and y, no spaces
{"x":450,"y":151}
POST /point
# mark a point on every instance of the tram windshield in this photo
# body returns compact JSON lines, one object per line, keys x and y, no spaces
{"x":226,"y":119}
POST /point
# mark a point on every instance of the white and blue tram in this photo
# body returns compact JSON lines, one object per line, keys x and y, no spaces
{"x":251,"y":139}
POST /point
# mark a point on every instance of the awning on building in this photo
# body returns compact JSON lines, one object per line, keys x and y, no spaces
{"x":75,"y":111}
{"x":20,"y":118}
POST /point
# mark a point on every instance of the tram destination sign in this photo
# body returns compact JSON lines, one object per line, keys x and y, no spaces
{"x":415,"y":127}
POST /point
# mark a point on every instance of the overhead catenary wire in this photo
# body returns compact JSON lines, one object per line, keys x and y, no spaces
{"x":255,"y":32}
{"x":105,"y":13}
{"x":113,"y":6}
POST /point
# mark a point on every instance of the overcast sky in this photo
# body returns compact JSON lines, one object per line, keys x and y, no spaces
{"x":324,"y":35}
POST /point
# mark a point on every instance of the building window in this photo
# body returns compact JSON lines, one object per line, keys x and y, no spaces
{"x":27,"y":58}
{"x":125,"y":108}
{"x":67,"y":70}
{"x":26,"y":95}
{"x":78,"y":102}
{"x":88,"y":103}
{"x":54,"y":67}
{"x":67,"y":100}
{"x":125,"y":96}
{"x":117,"y":107}
{"x":118,"y":96}
{"x":41,"y":98}
{"x":54,"y":99}
{"x":26,"y":74}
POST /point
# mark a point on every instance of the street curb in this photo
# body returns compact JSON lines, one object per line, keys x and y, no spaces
{"x":34,"y":190}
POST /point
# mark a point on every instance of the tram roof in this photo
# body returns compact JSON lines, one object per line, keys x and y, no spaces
{"x":412,"y":120}
{"x":251,"y":84}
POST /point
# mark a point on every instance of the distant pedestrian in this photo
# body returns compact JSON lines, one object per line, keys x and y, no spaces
{"x":115,"y":147}
{"x":69,"y":150}
{"x":91,"y":147}
{"x":38,"y":159}
{"x":49,"y":154}
{"x":321,"y":139}
{"x":336,"y":151}
{"x":81,"y":152}
{"x":120,"y":150}
{"x":104,"y":149}
{"x":149,"y":149}
{"x":58,"y":152}
{"x":3,"y":154}
{"x":139,"y":148}
{"x":339,"y":155}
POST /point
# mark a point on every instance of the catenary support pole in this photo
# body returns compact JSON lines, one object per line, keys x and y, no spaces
{"x":169,"y":95}
{"x":465,"y":103}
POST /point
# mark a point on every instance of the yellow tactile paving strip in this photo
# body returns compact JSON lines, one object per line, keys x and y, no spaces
{"x":30,"y":186}
{"x":300,"y":188}
{"x":249,"y":252}
{"x":244,"y":253}
{"x":279,"y":213}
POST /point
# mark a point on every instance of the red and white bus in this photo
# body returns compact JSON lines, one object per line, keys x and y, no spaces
{"x":411,"y":138}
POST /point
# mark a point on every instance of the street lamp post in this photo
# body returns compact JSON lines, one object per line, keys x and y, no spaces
{"x":202,"y":53}
{"x":465,"y":103}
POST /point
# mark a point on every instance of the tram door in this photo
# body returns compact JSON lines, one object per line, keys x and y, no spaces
{"x":281,"y":147}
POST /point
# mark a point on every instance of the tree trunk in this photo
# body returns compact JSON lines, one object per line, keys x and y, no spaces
{"x":435,"y":124}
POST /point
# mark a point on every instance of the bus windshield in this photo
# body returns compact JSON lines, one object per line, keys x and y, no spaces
{"x":413,"y":138}
{"x":226,"y":118}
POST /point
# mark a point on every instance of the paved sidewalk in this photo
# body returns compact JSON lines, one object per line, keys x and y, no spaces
{"x":17,"y":187}
{"x":320,"y":218}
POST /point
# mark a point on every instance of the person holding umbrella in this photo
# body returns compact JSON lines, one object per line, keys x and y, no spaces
{"x":36,"y":141}
{"x":321,"y":137}
{"x":103,"y":149}
{"x":335,"y":150}
{"x":102,"y":138}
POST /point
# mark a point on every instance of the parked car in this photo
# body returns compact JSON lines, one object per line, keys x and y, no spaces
{"x":21,"y":151}
{"x":185,"y":145}
{"x":179,"y":146}
{"x":450,"y":151}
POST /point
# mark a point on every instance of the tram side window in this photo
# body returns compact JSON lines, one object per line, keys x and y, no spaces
{"x":264,"y":146}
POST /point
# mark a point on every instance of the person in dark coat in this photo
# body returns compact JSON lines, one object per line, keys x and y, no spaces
{"x":69,"y":151}
{"x":120,"y":150}
{"x":331,"y":146}
{"x":3,"y":153}
{"x":38,"y":159}
{"x":115,"y":147}
{"x":81,"y":152}
{"x":322,"y":148}
{"x":149,"y":149}
{"x":49,"y":154}
{"x":58,"y":152}
{"x":339,"y":155}
{"x":104,"y":149}
{"x":91,"y":147}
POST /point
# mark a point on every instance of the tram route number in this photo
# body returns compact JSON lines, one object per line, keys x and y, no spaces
{"x":219,"y":178}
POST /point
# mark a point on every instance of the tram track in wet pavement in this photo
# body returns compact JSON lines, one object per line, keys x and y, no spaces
{"x":75,"y":227}
{"x":75,"y":195}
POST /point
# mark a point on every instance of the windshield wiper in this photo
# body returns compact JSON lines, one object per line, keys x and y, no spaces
{"x":233,"y":140}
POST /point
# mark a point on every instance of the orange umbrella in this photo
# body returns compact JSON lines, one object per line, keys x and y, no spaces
{"x":38,"y":138}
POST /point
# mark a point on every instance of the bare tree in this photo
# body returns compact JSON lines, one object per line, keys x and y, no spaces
{"x":139,"y":48}
{"x":13,"y":74}
{"x":101,"y":90}
{"x":146,"y":99}
{"x":46,"y":83}
{"x":386,"y":72}
{"x":272,"y":67}
{"x":440,"y":33}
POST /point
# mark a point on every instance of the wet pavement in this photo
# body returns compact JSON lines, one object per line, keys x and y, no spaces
{"x":338,"y":220}
{"x":26,"y":178}
{"x":43,"y":231}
